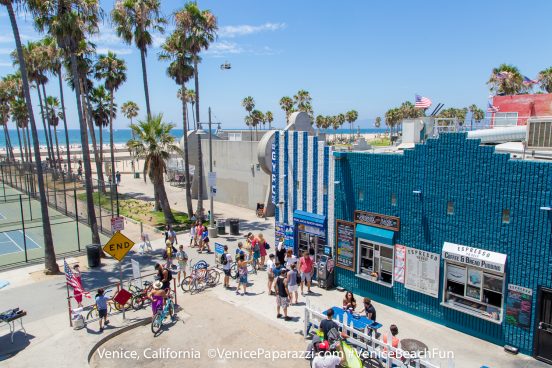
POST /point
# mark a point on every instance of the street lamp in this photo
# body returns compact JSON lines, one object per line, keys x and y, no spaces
{"x":211,"y":177}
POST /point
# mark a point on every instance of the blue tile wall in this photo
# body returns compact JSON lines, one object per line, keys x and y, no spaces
{"x":481,"y":183}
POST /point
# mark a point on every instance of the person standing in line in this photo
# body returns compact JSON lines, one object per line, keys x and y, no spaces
{"x":305,"y":266}
{"x":270,"y":266}
{"x":282,"y":299}
{"x":242,"y":275}
{"x":292,"y":284}
{"x":226,"y":266}
{"x":262,"y":249}
{"x":290,"y":258}
{"x":76,"y":293}
{"x":182,"y":260}
{"x":101,"y":305}
{"x":239,"y":251}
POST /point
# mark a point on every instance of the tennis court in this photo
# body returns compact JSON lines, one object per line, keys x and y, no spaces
{"x":15,"y":241}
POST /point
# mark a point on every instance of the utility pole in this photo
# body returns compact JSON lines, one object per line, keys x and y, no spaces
{"x":213,"y":230}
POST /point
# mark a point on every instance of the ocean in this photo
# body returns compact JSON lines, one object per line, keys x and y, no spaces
{"x":123,"y":135}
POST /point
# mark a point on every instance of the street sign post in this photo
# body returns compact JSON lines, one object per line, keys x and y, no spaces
{"x":117,"y":224}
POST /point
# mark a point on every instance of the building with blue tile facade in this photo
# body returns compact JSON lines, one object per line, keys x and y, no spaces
{"x":453,"y":232}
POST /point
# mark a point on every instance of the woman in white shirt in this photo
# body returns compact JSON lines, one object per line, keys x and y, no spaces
{"x":290,"y":259}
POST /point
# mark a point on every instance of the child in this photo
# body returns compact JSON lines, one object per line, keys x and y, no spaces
{"x":101,"y":305}
{"x":168,"y":254}
{"x":181,"y":259}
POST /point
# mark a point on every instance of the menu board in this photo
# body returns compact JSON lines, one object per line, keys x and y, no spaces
{"x":345,"y":244}
{"x":283,"y":233}
{"x":422,"y":271}
{"x":400,"y":263}
{"x":518,"y":306}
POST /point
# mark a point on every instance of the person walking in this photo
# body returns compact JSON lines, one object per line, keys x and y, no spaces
{"x":270,"y":268}
{"x":182,"y":260}
{"x":292,"y":284}
{"x":77,"y":293}
{"x":118,"y":178}
{"x":305,"y":266}
{"x":101,"y":305}
{"x":242,"y":275}
{"x":169,"y":254}
{"x":172,"y":236}
{"x":262,"y":249}
{"x":226,"y":260}
{"x":193,"y":236}
{"x":282,"y":299}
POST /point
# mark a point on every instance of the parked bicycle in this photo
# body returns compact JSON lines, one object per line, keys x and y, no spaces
{"x":111,"y":304}
{"x":201,"y":276}
{"x":140,"y":296}
{"x":161,"y":315}
{"x":234,"y":270}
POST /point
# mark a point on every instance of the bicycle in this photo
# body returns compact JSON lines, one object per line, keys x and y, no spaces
{"x":200,"y":277}
{"x":159,"y":317}
{"x":139,"y":298}
{"x":111,"y":304}
{"x":234,"y":270}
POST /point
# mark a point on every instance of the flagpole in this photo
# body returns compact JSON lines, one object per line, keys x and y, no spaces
{"x":68,"y":300}
{"x":121,"y":281}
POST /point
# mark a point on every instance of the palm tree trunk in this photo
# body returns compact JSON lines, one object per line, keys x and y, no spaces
{"x":57,"y":147}
{"x":27,"y":153}
{"x":111,"y":147}
{"x":101,"y":142}
{"x":64,"y":122}
{"x":199,"y":167}
{"x":44,"y":117}
{"x":145,"y":77}
{"x":85,"y":156}
{"x":50,"y":264}
{"x":160,"y":189}
{"x":88,"y":117}
{"x":189,"y":204}
{"x":20,"y":146}
{"x":58,"y":165}
{"x":9,"y":147}
{"x":29,"y":140}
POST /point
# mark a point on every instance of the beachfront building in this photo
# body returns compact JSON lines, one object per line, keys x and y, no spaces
{"x":517,"y":109}
{"x":302,"y":188}
{"x":450,"y":231}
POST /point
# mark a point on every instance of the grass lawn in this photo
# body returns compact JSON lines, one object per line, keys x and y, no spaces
{"x":380,"y":142}
{"x":139,"y":210}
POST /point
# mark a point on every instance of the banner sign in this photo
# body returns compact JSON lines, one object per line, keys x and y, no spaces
{"x":345,"y":244}
{"x":518,"y":306}
{"x":475,"y":257}
{"x":422,"y":271}
{"x":275,"y":174}
{"x":374,"y":219}
{"x":219,"y":250}
{"x":400,"y":263}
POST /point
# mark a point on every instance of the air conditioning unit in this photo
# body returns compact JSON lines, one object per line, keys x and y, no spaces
{"x":539,"y":134}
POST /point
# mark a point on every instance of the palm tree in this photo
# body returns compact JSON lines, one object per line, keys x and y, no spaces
{"x":54,"y":116}
{"x":377,"y":123}
{"x":181,"y":71}
{"x":190,"y":98}
{"x":507,"y":80}
{"x":286,"y":103}
{"x":269,"y":119}
{"x":303,"y":102}
{"x":154,"y":143}
{"x":7,"y":94}
{"x":20,"y":116}
{"x":257,"y":118}
{"x":351,"y":117}
{"x":113,"y":71}
{"x":50,"y":264}
{"x":199,"y":27}
{"x":102,"y":110}
{"x":134,"y":20}
{"x":340,"y":120}
{"x":545,"y":80}
{"x":477,"y":115}
{"x":69,"y":23}
{"x":130,"y":110}
{"x":320,"y":121}
{"x":249,"y":104}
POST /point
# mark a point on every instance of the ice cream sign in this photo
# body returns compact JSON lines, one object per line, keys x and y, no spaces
{"x":474,"y":257}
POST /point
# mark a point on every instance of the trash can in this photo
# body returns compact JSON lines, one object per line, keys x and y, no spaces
{"x":234,"y":226}
{"x":136,"y":175}
{"x":93,"y":255}
{"x":221,"y":226}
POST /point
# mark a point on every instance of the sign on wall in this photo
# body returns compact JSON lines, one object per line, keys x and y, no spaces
{"x":345,"y":244}
{"x":275,"y":174}
{"x":422,"y":271}
{"x":518,"y":306}
{"x":375,"y":219}
{"x":474,"y":257}
{"x":400,"y":263}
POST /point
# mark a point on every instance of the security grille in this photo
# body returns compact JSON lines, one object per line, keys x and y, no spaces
{"x":539,"y":134}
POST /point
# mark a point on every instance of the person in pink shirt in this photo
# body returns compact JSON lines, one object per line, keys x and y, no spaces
{"x":306,"y":267}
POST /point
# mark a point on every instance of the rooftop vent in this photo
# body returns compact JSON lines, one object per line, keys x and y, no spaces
{"x":539,"y":134}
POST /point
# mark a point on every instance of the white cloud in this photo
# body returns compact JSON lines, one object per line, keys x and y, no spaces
{"x":118,"y":51}
{"x":5,"y":65}
{"x":224,"y":48}
{"x":24,"y":37}
{"x":246,"y":29}
{"x":5,"y":51}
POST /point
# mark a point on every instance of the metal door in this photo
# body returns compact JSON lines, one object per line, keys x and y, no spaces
{"x":543,"y":343}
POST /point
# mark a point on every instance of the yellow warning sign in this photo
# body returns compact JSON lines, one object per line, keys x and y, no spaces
{"x":118,"y":246}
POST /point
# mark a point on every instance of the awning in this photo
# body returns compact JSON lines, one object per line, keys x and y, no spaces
{"x":375,"y":234}
{"x":474,"y":257}
{"x":308,"y":218}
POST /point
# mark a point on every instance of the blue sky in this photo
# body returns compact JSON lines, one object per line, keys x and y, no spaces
{"x":363,"y":55}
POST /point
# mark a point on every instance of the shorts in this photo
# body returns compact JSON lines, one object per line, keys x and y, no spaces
{"x":293,"y":288}
{"x":181,"y":266}
{"x":270,"y":277}
{"x":102,"y":313}
{"x":305,"y":276}
{"x":282,"y":301}
{"x":226,"y":272}
{"x":243,"y":279}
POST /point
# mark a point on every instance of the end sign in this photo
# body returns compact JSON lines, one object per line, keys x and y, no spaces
{"x":118,"y":246}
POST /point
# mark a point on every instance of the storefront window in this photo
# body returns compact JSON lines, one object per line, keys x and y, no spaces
{"x":473,"y":290}
{"x":376,"y":262}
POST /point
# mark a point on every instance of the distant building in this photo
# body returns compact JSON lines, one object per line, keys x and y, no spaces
{"x":516,"y":109}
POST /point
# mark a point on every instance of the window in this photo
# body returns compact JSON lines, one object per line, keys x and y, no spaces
{"x":234,"y":136}
{"x":393,"y":199}
{"x":450,"y":208}
{"x":376,"y":262}
{"x":505,"y":118}
{"x":505,"y":216}
{"x":474,"y":291}
{"x":361,"y":196}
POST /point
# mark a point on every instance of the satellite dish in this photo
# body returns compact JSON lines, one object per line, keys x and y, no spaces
{"x":225,"y":66}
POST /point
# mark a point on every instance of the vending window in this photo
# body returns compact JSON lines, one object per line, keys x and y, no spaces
{"x":376,"y":262}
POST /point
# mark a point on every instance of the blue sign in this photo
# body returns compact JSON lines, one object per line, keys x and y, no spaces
{"x":219,"y":249}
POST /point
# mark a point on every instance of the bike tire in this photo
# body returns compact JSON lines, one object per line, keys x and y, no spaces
{"x":92,"y":314}
{"x":137,"y":302}
{"x":199,"y":285}
{"x":156,"y":323}
{"x":234,"y":271}
{"x":213,"y":278}
{"x":120,"y":307}
{"x":371,"y":363}
{"x":186,"y":284}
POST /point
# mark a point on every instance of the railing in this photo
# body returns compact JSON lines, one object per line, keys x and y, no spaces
{"x":373,"y":347}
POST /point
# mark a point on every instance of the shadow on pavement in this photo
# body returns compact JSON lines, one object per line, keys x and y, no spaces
{"x":20,"y":342}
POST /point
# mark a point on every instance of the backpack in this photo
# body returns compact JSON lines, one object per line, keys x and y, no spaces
{"x":256,"y":247}
{"x":224,"y":259}
{"x":169,"y":278}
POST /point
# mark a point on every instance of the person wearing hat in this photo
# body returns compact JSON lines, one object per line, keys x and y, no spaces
{"x":157,"y":296}
{"x":76,"y":293}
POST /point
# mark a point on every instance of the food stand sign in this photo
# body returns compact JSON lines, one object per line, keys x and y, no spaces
{"x":345,"y":245}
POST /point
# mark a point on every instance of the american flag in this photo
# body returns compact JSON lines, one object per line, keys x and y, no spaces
{"x":528,"y":81}
{"x":422,"y":102}
{"x":73,"y":281}
{"x":502,"y":75}
{"x":492,"y":108}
